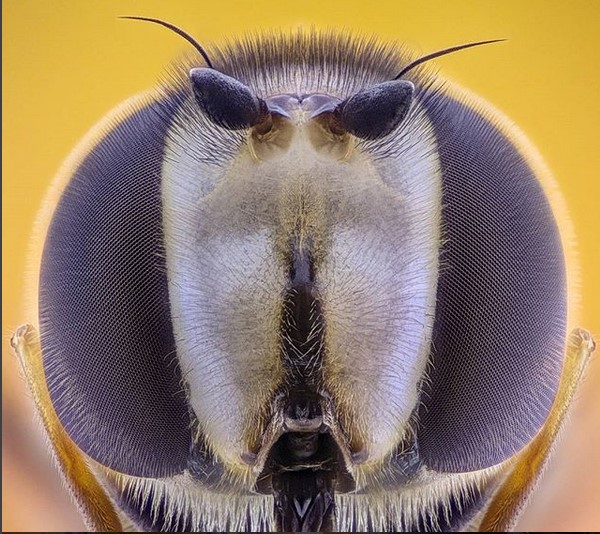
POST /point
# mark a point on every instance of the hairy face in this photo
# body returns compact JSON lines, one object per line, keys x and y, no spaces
{"x":232,"y":230}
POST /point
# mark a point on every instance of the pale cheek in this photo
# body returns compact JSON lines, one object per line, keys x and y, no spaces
{"x":225,"y":297}
{"x":377,"y":299}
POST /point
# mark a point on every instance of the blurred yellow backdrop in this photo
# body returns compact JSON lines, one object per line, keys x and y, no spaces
{"x":67,"y":62}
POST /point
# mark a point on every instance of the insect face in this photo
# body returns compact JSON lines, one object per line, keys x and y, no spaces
{"x":293,"y":289}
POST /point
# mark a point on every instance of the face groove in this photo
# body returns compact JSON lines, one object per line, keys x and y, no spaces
{"x":303,"y":463}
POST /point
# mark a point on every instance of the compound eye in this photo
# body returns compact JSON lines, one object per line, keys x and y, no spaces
{"x":500,"y":323}
{"x":105,"y":321}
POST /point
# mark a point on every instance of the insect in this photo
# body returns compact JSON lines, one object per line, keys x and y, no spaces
{"x":304,"y":285}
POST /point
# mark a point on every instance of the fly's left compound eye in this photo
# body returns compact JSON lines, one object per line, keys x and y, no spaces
{"x":294,"y":291}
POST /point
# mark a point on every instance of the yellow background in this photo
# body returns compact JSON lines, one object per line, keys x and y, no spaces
{"x":66,"y":63}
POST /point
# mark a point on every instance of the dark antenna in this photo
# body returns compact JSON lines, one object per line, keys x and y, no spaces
{"x":443,"y":52}
{"x":187,"y":37}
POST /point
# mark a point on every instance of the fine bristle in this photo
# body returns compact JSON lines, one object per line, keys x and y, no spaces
{"x":336,"y":63}
{"x":169,"y":504}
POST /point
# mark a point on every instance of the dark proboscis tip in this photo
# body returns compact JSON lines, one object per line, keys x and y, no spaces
{"x":304,"y":501}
